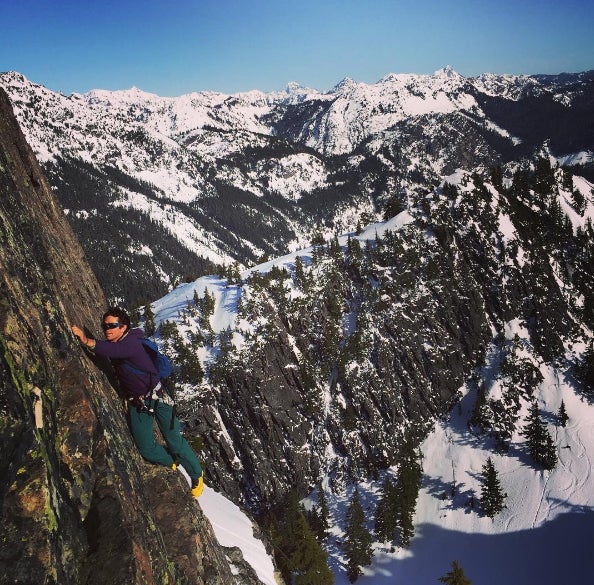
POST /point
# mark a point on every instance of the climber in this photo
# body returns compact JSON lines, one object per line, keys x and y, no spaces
{"x":146,"y":395}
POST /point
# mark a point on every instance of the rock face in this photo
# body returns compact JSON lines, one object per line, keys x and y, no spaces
{"x":78,"y":505}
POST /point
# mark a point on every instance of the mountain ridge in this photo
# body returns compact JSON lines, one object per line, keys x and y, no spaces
{"x":299,"y":159}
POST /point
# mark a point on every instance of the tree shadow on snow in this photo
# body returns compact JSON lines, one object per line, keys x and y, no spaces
{"x":557,"y":552}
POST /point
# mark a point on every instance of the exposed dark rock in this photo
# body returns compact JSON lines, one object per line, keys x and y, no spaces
{"x":78,"y":505}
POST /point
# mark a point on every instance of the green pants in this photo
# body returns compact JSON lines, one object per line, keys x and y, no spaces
{"x":178,"y":449}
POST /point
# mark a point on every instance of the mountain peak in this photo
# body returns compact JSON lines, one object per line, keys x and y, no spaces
{"x":294,"y":87}
{"x":447,"y":72}
{"x":346,"y":83}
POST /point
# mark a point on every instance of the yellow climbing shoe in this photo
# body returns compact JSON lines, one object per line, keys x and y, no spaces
{"x":198,"y":487}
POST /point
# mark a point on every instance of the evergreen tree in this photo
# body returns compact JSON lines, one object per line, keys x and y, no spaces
{"x":540,"y":443}
{"x":135,"y":316}
{"x":357,"y":543}
{"x":220,"y":367}
{"x":299,"y":557}
{"x":567,"y":180}
{"x":497,"y":177}
{"x":456,"y":576}
{"x":300,"y":278}
{"x":562,"y":415}
{"x":324,"y":513}
{"x":450,"y":191}
{"x":168,"y":330}
{"x":549,"y":452}
{"x":408,"y":484}
{"x":544,"y":177}
{"x":354,"y":251}
{"x":492,"y":496}
{"x":335,"y":250}
{"x":585,"y":370}
{"x":385,"y":515}
{"x":478,"y":417}
{"x":206,"y":305}
{"x":393,"y":207}
{"x":233,"y":274}
{"x":578,"y":201}
{"x":149,"y":320}
{"x":190,"y":370}
{"x":318,"y":516}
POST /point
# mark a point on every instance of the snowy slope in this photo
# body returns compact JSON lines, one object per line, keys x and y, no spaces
{"x":542,"y":534}
{"x":543,"y":537}
{"x":233,"y":528}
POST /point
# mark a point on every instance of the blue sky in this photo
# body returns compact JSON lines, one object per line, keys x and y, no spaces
{"x":171,"y":47}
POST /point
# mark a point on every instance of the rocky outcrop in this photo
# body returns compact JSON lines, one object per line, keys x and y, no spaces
{"x":78,"y":505}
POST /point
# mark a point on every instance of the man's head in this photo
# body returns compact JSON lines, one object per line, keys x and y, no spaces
{"x":116,"y":323}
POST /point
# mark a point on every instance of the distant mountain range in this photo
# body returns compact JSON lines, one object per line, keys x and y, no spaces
{"x":470,"y":302}
{"x":162,"y":189}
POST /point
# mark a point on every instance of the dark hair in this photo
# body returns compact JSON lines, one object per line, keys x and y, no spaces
{"x":119,"y":314}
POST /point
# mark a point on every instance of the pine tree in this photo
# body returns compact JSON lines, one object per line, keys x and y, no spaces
{"x":544,"y":176}
{"x":549,"y":452}
{"x":168,"y":330}
{"x":478,"y":417}
{"x":357,"y":545}
{"x":206,"y":305}
{"x":300,"y":558}
{"x":456,"y":576}
{"x":540,"y":443}
{"x":408,"y":484}
{"x":149,"y":320}
{"x":135,"y":316}
{"x":190,"y":370}
{"x":300,"y":278}
{"x":318,"y":516}
{"x":393,"y":207}
{"x":233,"y":274}
{"x":324,"y":513}
{"x":585,"y":370}
{"x":354,"y":251}
{"x":497,"y":177}
{"x":562,"y":415}
{"x":492,"y":496}
{"x":567,"y":180}
{"x":385,"y":514}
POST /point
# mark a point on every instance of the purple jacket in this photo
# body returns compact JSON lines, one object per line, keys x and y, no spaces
{"x":130,"y":349}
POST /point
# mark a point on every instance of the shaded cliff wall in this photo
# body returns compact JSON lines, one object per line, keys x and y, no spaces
{"x":78,"y":505}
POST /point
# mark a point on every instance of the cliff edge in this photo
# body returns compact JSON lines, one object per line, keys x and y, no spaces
{"x":78,"y":504}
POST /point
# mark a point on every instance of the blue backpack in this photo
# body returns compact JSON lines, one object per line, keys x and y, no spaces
{"x":164,"y":368}
{"x":161,"y":362}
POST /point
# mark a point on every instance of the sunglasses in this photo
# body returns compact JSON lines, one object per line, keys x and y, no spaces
{"x":106,"y":326}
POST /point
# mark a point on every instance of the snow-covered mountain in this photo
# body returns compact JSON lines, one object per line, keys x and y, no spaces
{"x":180,"y":185}
{"x":435,"y":281}
{"x":442,"y":324}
